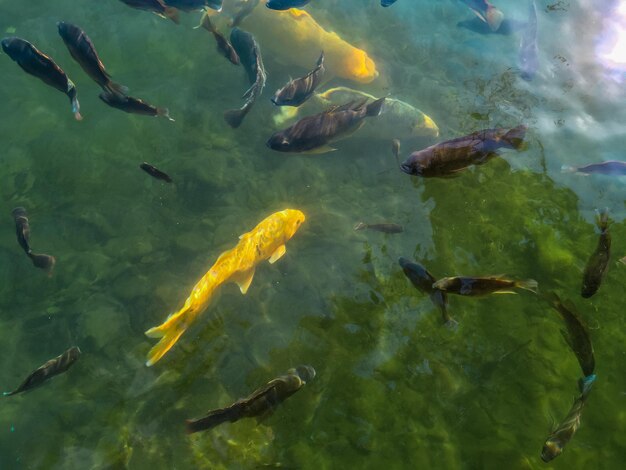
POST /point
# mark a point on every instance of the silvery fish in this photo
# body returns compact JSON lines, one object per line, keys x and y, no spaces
{"x":53,"y":367}
{"x":297,"y":91}
{"x":36,"y":63}
{"x":528,"y":53}
{"x":450,"y":157}
{"x":260,"y":404}
{"x":313,"y":134}
{"x":486,"y":12}
{"x":598,"y":262}
{"x":611,"y":168}
{"x":224,"y":47}
{"x":22,"y":228}
{"x":132,"y":105}
{"x":478,"y":286}
{"x":83,"y":51}
{"x":249,"y":53}
{"x":286,"y":4}
{"x":157,"y":7}
{"x":194,"y":5}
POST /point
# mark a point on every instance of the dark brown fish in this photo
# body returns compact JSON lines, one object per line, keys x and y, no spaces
{"x":243,"y":12}
{"x":134,"y":105}
{"x":224,"y":47}
{"x":577,"y":336}
{"x":385,"y":228}
{"x":41,"y":261}
{"x":313,"y":134}
{"x":195,"y":5}
{"x":155,"y":172}
{"x":22,"y":228}
{"x":260,"y":404}
{"x":53,"y":367}
{"x":155,"y":6}
{"x":477,"y":286}
{"x":297,"y":91}
{"x":36,"y":63}
{"x":83,"y":51}
{"x":450,"y":157}
{"x":598,"y":263}
{"x":423,"y":281}
{"x":611,"y":168}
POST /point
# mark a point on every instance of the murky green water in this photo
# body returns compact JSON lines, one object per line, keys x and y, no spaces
{"x":394,"y":389}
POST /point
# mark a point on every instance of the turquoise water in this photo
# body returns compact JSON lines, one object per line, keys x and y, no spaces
{"x":395,"y":389}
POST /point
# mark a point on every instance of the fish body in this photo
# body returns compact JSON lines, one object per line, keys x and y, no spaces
{"x":83,"y":51}
{"x":611,"y":167}
{"x":22,"y":228}
{"x":577,"y":336}
{"x":260,"y":404}
{"x":266,"y":241}
{"x":36,"y":63}
{"x":297,"y":91}
{"x":155,"y":172}
{"x":314,"y":133}
{"x":385,"y":228}
{"x":249,"y":53}
{"x":479,"y":286}
{"x":53,"y":367}
{"x":387,"y":3}
{"x":224,"y":47}
{"x":450,"y":157}
{"x":528,"y":50}
{"x":486,"y":12}
{"x":157,"y":7}
{"x":423,"y":281}
{"x":132,"y":105}
{"x":598,"y":262}
{"x":194,"y":5}
{"x":286,"y":4}
{"x":42,"y":261}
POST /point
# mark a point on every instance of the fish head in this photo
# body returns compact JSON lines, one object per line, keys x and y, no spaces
{"x":279,"y":142}
{"x":12,"y":45}
{"x":442,"y":284}
{"x":413,"y":165}
{"x":283,"y":97}
{"x":551,"y":449}
{"x":64,"y":29}
{"x":293,"y":220}
{"x":74,"y":353}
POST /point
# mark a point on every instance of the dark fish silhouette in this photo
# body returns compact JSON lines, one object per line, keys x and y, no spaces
{"x":387,"y":3}
{"x":611,"y":167}
{"x":36,"y":63}
{"x":243,"y":12}
{"x":260,"y":404}
{"x":224,"y":47}
{"x":155,"y":172}
{"x":423,"y":281}
{"x":297,"y":91}
{"x":53,"y":367}
{"x":528,"y":52}
{"x":477,"y":286}
{"x":598,"y":262}
{"x":450,"y":157}
{"x":313,"y":134}
{"x":577,"y":336}
{"x":41,"y":261}
{"x":22,"y":228}
{"x":83,"y":51}
{"x":155,"y":6}
{"x":385,"y":228}
{"x":286,"y":4}
{"x":134,"y":105}
{"x":250,"y":55}
{"x":193,"y":5}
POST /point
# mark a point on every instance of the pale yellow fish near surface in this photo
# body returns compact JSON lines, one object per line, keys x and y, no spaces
{"x":265,"y":241}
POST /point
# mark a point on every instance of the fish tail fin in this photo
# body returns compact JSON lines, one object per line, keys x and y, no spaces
{"x":116,"y":89}
{"x":164,"y":112}
{"x":585,"y":384}
{"x":360,"y":226}
{"x":602,"y":219}
{"x":214,"y":418}
{"x":515,"y":137}
{"x":375,"y":107}
{"x":7,"y":394}
{"x":529,"y":284}
{"x":234,"y":117}
{"x":206,"y":23}
{"x":494,"y":17}
{"x":320,"y":61}
{"x":76,"y":108}
{"x":173,"y":14}
{"x":169,"y":332}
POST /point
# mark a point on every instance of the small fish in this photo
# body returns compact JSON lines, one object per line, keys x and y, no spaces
{"x":250,"y":55}
{"x":313,"y":134}
{"x":387,"y":3}
{"x":224,"y":47}
{"x":157,"y":7}
{"x":450,"y":157}
{"x":53,"y":367}
{"x":246,"y":7}
{"x":528,"y":51}
{"x":477,"y":286}
{"x":476,"y":25}
{"x":83,"y":51}
{"x":134,"y":105}
{"x":36,"y":63}
{"x":611,"y":167}
{"x":577,"y":336}
{"x":395,"y":149}
{"x":385,"y":228}
{"x":598,"y":262}
{"x":41,"y":261}
{"x":22,"y":228}
{"x":155,"y":172}
{"x":286,"y":4}
{"x":423,"y":281}
{"x":558,"y":439}
{"x":297,"y":91}
{"x":260,"y":404}
{"x":195,"y":5}
{"x":486,"y":12}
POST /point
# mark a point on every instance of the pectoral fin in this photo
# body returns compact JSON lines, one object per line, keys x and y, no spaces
{"x":278,"y":254}
{"x":244,"y":280}
{"x":320,"y":150}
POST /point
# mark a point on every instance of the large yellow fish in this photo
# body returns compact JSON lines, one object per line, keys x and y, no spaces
{"x":265,"y":241}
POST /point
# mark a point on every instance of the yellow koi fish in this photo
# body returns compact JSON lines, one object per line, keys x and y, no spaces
{"x":265,"y":241}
